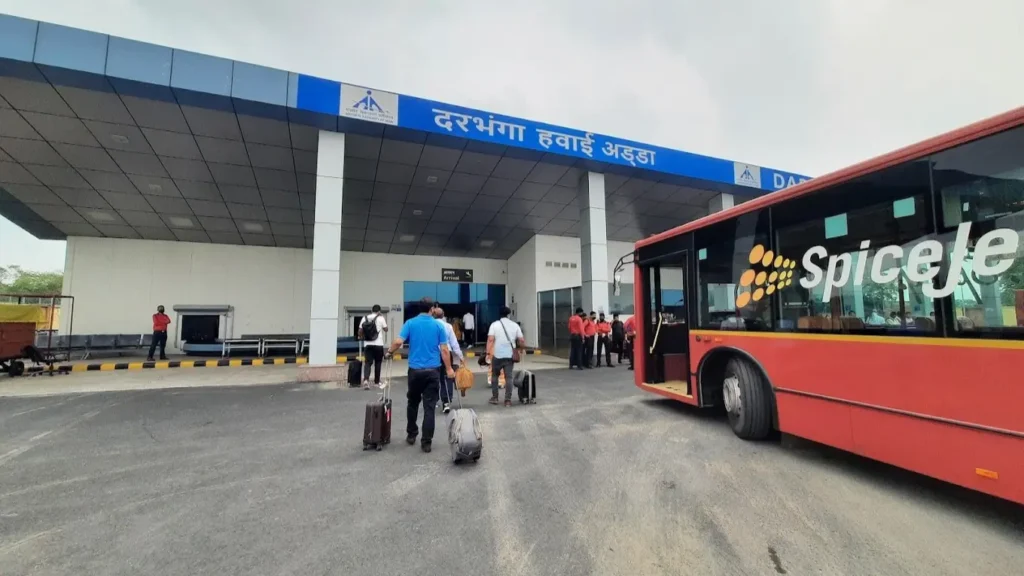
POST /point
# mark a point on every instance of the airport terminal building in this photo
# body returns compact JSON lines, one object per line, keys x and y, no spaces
{"x":252,"y":200}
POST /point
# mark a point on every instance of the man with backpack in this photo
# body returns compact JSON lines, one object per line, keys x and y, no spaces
{"x":371,"y":332}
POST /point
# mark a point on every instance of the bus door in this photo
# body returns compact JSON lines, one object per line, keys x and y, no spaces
{"x":666,"y":335}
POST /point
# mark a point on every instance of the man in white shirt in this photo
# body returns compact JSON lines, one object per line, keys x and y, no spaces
{"x":469,"y":329}
{"x":447,"y":384}
{"x":373,"y":351}
{"x":503,"y":338}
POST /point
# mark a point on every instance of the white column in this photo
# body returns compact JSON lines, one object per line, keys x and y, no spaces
{"x":720,"y":202}
{"x":593,"y":242}
{"x":323,"y":309}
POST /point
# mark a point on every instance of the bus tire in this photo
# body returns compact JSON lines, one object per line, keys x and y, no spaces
{"x":745,"y":394}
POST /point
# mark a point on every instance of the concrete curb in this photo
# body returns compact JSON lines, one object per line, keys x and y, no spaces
{"x":218,"y":363}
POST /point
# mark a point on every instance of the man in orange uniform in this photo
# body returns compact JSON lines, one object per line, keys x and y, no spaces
{"x":604,"y":341}
{"x":630,"y":327}
{"x":589,"y":333}
{"x":576,"y":340}
{"x":160,"y":323}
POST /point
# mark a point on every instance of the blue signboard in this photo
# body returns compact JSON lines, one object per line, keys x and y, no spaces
{"x":325,"y":96}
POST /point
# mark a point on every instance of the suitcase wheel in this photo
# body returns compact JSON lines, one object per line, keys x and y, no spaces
{"x":366,"y":446}
{"x":380,"y":447}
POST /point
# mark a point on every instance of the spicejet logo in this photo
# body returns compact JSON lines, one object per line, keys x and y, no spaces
{"x":769,"y":272}
{"x":994,"y":253}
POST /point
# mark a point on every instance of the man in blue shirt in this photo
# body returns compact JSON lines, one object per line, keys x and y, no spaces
{"x":428,"y":350}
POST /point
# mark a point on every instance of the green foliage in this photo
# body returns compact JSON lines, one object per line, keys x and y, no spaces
{"x":1011,"y":281}
{"x":15,"y":280}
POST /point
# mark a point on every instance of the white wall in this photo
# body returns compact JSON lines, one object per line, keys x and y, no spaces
{"x":530,"y":274}
{"x":567,"y":250}
{"x":117,"y":284}
{"x":522,"y":288}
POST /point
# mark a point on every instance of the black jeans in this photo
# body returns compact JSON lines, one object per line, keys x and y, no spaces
{"x":620,"y":347}
{"x":159,"y":339}
{"x":604,"y":348}
{"x":468,"y":336}
{"x":575,"y":351}
{"x":373,"y":355}
{"x":423,"y":386}
{"x":588,"y":351}
{"x":447,"y":384}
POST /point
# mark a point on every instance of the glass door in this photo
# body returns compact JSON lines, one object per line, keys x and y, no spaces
{"x":667,"y":333}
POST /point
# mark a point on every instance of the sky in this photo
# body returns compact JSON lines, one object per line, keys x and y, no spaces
{"x":806,"y":86}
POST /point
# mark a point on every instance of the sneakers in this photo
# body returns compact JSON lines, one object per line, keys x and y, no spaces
{"x":410,"y":440}
{"x":446,"y":408}
{"x":508,"y":402}
{"x":493,"y":400}
{"x":366,"y":384}
{"x":425,"y":446}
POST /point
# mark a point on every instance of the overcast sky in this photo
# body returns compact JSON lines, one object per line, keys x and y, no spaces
{"x":806,"y":86}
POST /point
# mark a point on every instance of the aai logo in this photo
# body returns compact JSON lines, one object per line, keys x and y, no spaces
{"x":361,"y":103}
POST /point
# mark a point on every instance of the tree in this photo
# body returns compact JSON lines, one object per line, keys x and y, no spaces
{"x":881,"y":296}
{"x":1011,"y":281}
{"x":15,"y":280}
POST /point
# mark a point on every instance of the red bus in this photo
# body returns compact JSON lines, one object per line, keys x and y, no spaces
{"x":878,"y":309}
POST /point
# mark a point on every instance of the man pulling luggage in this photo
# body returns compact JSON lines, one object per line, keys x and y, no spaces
{"x":428,"y":351}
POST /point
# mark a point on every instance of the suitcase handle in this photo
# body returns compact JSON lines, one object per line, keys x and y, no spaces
{"x":386,"y":385}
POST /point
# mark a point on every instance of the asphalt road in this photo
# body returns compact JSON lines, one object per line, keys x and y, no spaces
{"x":598,"y":478}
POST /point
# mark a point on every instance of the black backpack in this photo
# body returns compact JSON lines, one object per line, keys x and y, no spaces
{"x":369,"y":328}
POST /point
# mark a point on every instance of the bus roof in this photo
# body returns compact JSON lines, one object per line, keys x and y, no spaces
{"x":932,"y":145}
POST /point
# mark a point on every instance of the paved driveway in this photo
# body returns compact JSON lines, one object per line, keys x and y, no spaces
{"x":598,"y":478}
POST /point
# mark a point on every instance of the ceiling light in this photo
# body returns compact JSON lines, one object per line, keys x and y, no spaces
{"x":417,"y":212}
{"x":431,"y":179}
{"x":406,"y":238}
{"x":119,"y":138}
{"x":487,"y":243}
{"x":101,"y":216}
{"x":181,"y":221}
{"x":252,"y":227}
{"x":156,"y":188}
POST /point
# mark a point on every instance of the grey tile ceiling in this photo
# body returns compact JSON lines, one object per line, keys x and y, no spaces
{"x":100,"y":164}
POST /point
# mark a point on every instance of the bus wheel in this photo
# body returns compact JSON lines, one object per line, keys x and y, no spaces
{"x":746,"y":400}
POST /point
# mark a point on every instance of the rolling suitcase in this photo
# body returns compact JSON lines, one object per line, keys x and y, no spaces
{"x":377,"y":426}
{"x":464,"y":435}
{"x":355,"y":369}
{"x":526,"y":386}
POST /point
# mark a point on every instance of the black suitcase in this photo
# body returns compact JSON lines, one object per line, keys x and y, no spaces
{"x":526,"y":386}
{"x":355,"y":369}
{"x":377,"y":425}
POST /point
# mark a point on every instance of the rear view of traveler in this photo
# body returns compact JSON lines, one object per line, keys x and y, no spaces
{"x":504,"y":342}
{"x":372,"y":331}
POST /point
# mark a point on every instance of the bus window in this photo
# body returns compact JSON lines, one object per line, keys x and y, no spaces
{"x":733,"y":294}
{"x":982,"y":184}
{"x":852,"y":248}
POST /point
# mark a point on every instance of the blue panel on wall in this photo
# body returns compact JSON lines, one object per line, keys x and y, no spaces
{"x":203,"y":100}
{"x":250,"y":108}
{"x":317,"y":120}
{"x":201,"y":73}
{"x":141,"y":89}
{"x":71,"y":48}
{"x":350,"y":126}
{"x":318,"y":95}
{"x":17,"y":38}
{"x":76,"y":79}
{"x":259,"y":84}
{"x":139,"y":61}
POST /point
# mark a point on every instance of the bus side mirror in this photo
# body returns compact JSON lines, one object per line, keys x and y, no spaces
{"x":617,"y":284}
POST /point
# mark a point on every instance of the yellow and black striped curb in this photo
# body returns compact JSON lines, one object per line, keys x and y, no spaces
{"x":219,"y":363}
